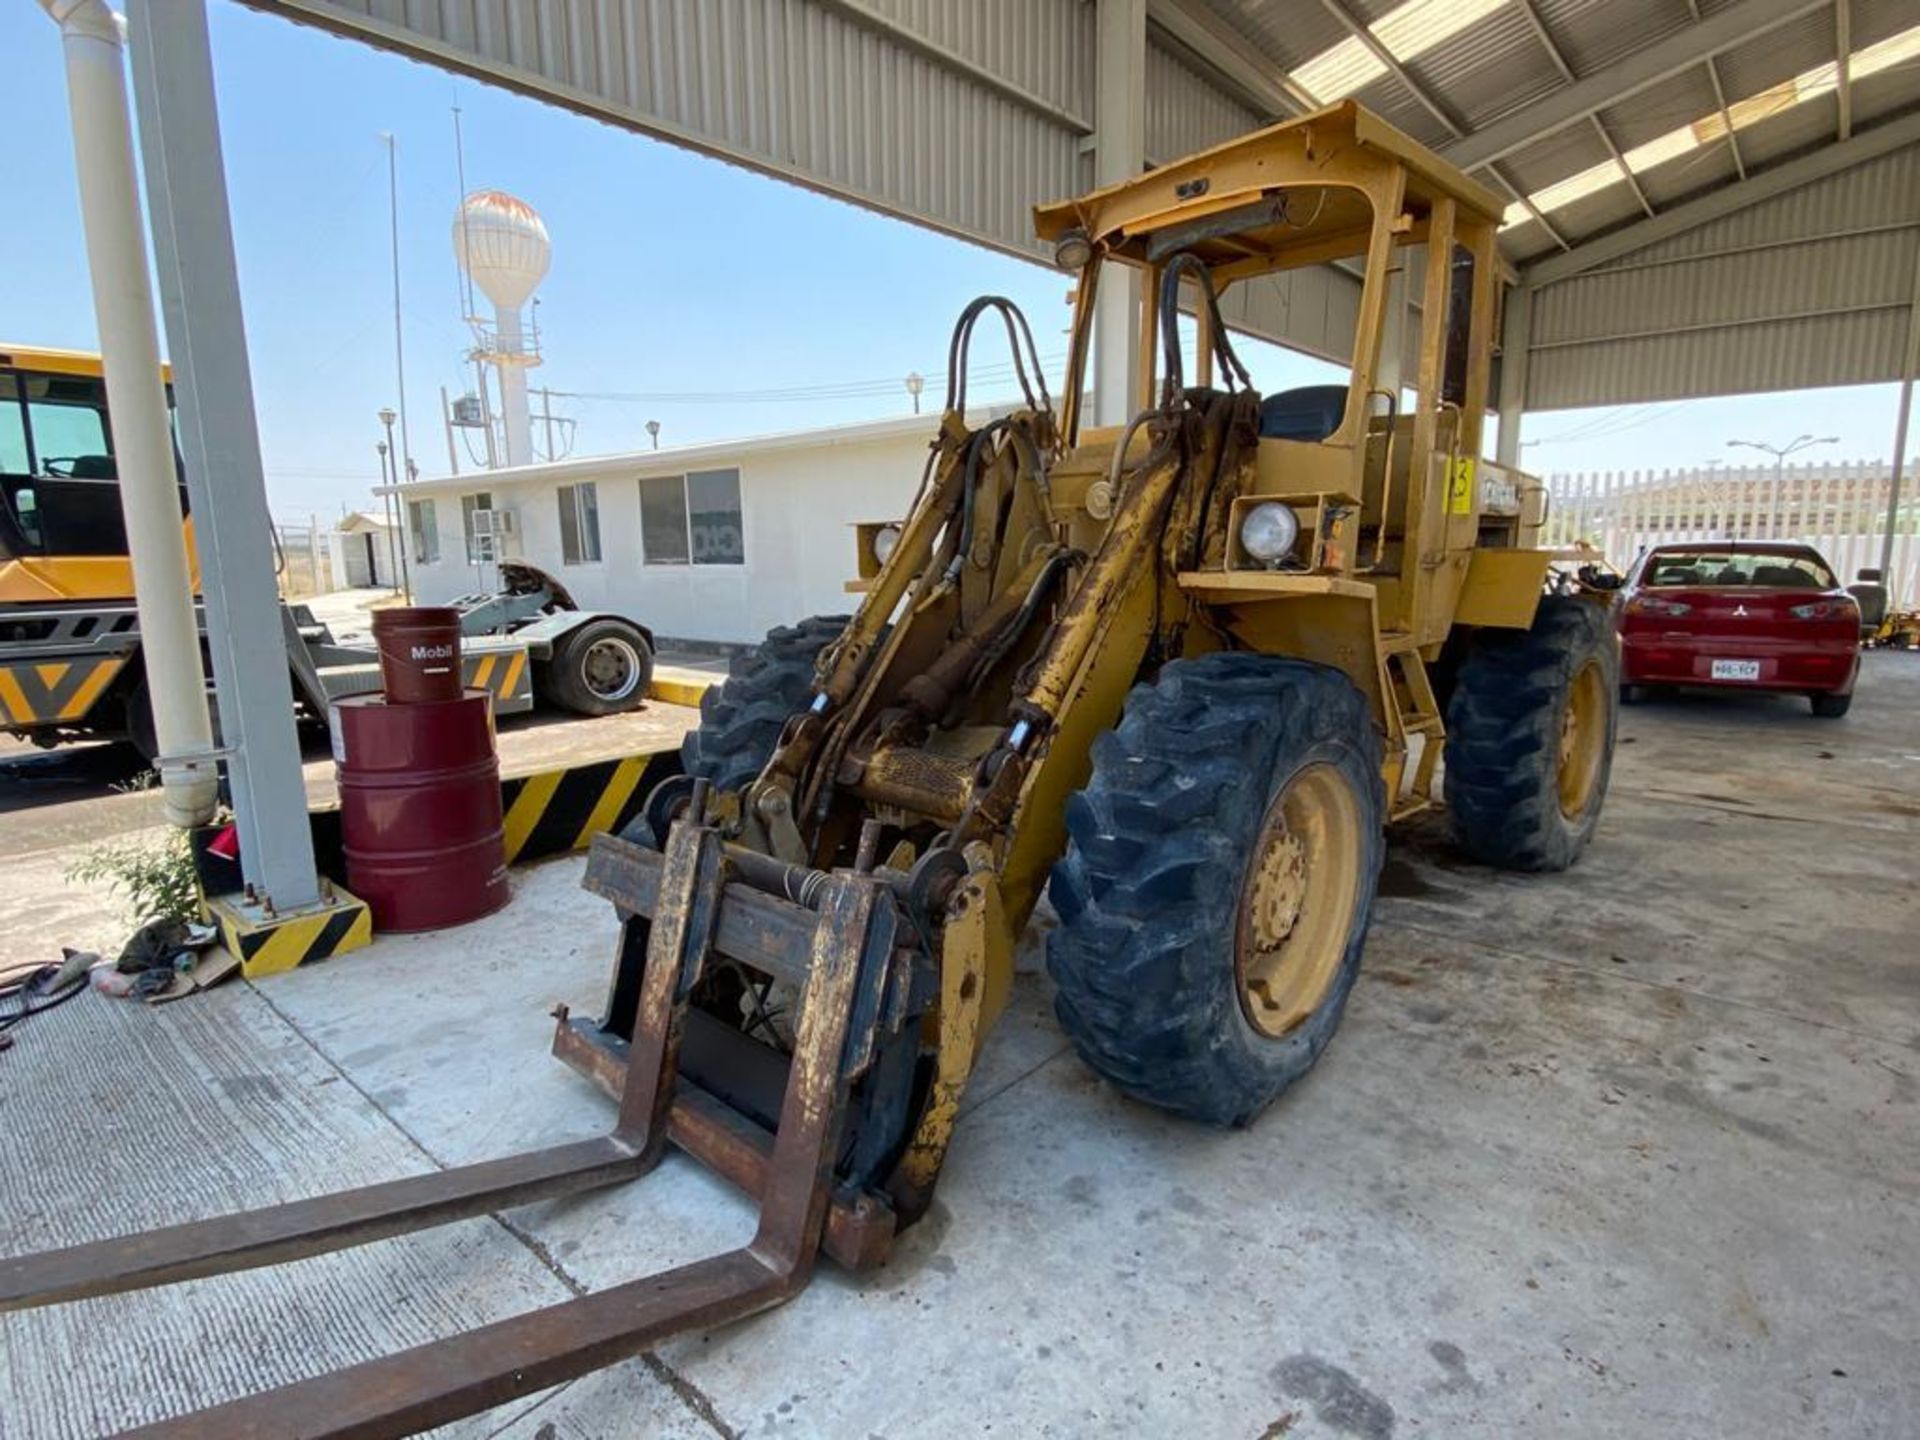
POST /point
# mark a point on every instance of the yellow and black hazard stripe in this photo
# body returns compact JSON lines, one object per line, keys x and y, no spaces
{"x":267,"y":947}
{"x":554,"y":811}
{"x":54,"y":692}
{"x":504,"y":672}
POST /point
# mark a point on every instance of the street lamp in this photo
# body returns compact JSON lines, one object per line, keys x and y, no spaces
{"x":653,"y":432}
{"x":916,"y":382}
{"x":1780,"y":454}
{"x":396,"y":509}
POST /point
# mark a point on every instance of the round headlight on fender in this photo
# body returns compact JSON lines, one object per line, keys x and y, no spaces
{"x":1073,"y":250}
{"x":1268,"y":531}
{"x":884,"y":541}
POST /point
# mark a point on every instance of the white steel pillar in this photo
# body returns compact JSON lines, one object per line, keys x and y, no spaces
{"x":1910,"y":364}
{"x":200,"y":296}
{"x":1515,"y":326}
{"x":137,"y":399}
{"x":1119,"y":153}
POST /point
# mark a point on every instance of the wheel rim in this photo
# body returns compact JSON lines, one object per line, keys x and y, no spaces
{"x":610,"y":668}
{"x":1297,"y":899}
{"x":1583,"y":739}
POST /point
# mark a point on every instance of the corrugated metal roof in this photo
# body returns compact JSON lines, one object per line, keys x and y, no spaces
{"x":1186,"y":112}
{"x":1596,"y":34}
{"x":1791,"y":355}
{"x":962,"y":113}
{"x":1883,"y":192}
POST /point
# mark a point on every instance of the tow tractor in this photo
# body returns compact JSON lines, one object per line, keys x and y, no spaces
{"x":69,"y":632}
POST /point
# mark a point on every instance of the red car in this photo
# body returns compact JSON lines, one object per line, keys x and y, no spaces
{"x":1748,"y":615}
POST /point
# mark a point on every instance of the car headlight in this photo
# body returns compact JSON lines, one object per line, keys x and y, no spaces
{"x":884,"y":541}
{"x":1268,"y":531}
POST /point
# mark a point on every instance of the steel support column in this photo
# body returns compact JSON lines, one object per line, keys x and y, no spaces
{"x":200,"y":300}
{"x":1514,"y":342}
{"x":1909,"y":366}
{"x":1119,"y":153}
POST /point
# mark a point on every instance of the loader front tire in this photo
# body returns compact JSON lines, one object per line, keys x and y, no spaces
{"x":1530,"y":730}
{"x":1218,"y":879}
{"x":741,"y":718}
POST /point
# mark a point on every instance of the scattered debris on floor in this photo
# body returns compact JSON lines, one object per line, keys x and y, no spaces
{"x":166,"y":959}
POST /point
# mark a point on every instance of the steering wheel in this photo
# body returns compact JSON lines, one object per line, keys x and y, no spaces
{"x":48,"y":462}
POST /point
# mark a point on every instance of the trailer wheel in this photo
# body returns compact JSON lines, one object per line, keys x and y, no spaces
{"x":1217,"y":883}
{"x":1530,"y":732}
{"x":742,"y":717}
{"x":601,"y":668}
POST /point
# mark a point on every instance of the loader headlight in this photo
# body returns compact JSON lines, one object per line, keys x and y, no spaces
{"x":884,"y":541}
{"x":1073,"y":250}
{"x":1268,"y":531}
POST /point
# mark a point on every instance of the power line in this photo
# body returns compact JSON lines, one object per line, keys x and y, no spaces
{"x":841,"y":390}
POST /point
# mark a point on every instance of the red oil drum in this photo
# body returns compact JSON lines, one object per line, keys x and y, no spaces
{"x":419,"y":653}
{"x":420,"y":809}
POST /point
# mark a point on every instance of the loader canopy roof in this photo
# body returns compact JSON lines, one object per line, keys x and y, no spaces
{"x":1296,"y":193}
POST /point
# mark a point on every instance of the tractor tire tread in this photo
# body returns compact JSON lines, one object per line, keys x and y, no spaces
{"x":1148,"y":888}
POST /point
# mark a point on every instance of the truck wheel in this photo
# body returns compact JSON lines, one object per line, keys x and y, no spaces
{"x":742,"y":717}
{"x":1218,"y":879}
{"x":1530,"y":737}
{"x":139,"y":722}
{"x":601,"y":668}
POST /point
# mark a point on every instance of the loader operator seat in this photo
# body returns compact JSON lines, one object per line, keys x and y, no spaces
{"x":1307,"y":412}
{"x":1871,"y":595}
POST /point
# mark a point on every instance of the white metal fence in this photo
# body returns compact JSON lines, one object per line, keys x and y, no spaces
{"x":1841,"y":510}
{"x":303,"y":559}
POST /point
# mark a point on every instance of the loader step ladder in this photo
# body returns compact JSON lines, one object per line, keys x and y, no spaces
{"x":849,"y":939}
{"x":1420,"y":726}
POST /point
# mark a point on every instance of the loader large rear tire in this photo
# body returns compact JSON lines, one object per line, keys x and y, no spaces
{"x":1235,"y":813}
{"x":1530,"y":729}
{"x":741,"y":718}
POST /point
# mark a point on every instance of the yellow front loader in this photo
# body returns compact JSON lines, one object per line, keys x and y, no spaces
{"x":1179,"y":674}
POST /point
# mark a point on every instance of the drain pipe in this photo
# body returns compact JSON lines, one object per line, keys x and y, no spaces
{"x":95,"y":47}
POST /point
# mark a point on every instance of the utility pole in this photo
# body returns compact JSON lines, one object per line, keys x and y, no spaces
{"x":393,"y":226}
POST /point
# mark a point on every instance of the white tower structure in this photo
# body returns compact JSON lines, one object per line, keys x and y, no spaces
{"x":503,"y":247}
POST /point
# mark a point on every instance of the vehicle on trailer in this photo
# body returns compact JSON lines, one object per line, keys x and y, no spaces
{"x":1747,"y":615}
{"x":70,"y":633}
{"x":1180,"y":673}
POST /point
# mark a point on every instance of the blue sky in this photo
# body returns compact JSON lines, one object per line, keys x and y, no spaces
{"x":672,"y":272}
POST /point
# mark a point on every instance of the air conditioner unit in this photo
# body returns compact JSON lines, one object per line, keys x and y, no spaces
{"x":496,"y":535}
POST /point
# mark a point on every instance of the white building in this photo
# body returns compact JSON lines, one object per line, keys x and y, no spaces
{"x":365,"y":554}
{"x":712,"y":542}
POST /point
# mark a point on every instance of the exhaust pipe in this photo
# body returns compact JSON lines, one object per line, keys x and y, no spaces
{"x":95,"y":46}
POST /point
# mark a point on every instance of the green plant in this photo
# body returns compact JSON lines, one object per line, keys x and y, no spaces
{"x":153,"y":875}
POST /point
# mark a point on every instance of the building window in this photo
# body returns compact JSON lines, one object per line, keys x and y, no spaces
{"x":579,"y":524}
{"x":423,"y":527}
{"x":478,"y":548}
{"x":692,"y":519}
{"x":663,"y":520}
{"x":713,"y":518}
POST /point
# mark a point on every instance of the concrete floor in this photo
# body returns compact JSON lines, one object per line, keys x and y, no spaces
{"x":1630,"y":1150}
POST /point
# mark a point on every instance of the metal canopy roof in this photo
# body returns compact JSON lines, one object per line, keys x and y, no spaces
{"x":1530,"y":94}
{"x":1608,"y":126}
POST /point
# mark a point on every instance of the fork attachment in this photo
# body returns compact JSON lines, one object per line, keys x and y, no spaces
{"x":844,"y":950}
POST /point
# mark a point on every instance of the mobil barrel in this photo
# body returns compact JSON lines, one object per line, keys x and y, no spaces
{"x":419,"y":649}
{"x":420,"y":809}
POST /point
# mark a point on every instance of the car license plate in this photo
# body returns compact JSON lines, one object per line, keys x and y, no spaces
{"x":1736,"y":669}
